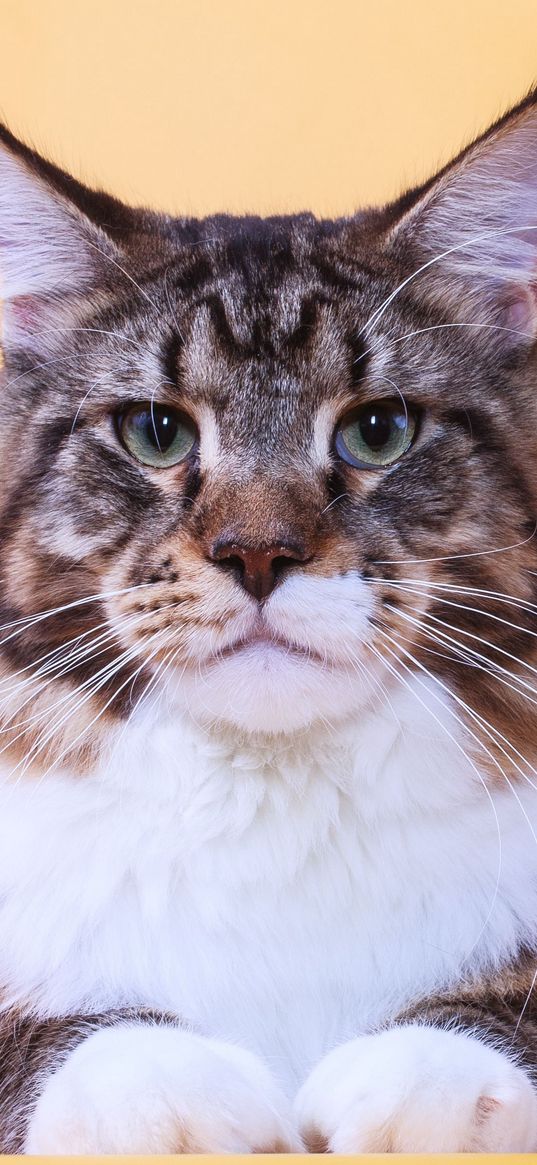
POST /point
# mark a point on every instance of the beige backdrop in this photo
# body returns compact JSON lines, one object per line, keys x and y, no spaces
{"x":272,"y":105}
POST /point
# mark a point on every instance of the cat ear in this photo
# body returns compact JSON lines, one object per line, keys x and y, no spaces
{"x":51,"y":251}
{"x":473,"y":229}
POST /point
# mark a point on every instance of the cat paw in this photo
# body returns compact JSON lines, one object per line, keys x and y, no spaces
{"x":142,"y":1089}
{"x":417,"y":1089}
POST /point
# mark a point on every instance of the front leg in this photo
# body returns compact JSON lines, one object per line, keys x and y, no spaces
{"x":130,"y":1082}
{"x":453,"y":1076}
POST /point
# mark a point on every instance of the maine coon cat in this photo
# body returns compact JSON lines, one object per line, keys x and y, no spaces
{"x":268,"y":787}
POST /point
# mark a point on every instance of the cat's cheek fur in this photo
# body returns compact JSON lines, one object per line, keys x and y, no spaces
{"x":418,"y":1089}
{"x":148,"y":1089}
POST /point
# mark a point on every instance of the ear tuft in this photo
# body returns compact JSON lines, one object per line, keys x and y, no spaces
{"x":475,"y":226}
{"x":49,"y":249}
{"x":40,"y":240}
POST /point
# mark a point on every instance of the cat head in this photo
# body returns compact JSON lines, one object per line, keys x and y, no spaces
{"x":270,"y":466}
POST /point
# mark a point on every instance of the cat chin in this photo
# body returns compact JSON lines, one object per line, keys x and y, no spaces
{"x":264,"y":689}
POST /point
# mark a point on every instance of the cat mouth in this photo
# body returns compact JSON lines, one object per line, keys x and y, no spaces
{"x":266,"y":640}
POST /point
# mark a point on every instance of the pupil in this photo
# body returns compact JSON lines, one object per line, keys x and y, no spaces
{"x":376,"y":429}
{"x":161,"y":429}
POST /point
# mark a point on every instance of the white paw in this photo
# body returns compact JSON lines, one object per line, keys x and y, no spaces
{"x":417,"y":1089}
{"x":142,"y":1089}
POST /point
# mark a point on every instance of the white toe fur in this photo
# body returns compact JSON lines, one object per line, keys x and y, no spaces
{"x":417,"y":1089}
{"x":144,"y":1089}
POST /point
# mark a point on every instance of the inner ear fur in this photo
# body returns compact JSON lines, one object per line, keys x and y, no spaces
{"x":472,"y":229}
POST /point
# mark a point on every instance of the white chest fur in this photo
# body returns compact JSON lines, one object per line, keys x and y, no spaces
{"x":285,"y":897}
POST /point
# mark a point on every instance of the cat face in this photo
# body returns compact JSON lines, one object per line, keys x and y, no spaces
{"x":270,"y":466}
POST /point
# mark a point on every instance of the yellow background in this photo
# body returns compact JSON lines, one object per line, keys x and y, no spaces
{"x":267,"y":105}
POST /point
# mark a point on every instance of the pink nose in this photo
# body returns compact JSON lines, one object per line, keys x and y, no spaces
{"x":259,"y":570}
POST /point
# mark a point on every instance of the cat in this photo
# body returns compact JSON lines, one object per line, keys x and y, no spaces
{"x":268,"y":863}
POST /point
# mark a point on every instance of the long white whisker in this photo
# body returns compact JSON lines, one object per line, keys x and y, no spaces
{"x":145,"y":662}
{"x":359,"y":666}
{"x":479,"y":717}
{"x":92,"y":685}
{"x":524,"y":1009}
{"x":491,"y":234}
{"x":470,"y":657}
{"x":461,"y":703}
{"x":29,"y":621}
{"x":439,"y":327}
{"x":452,"y":557}
{"x":478,"y":639}
{"x":119,"y":665}
{"x":90,"y":654}
{"x":457,"y":588}
{"x":92,"y":387}
{"x":473,"y":610}
{"x":57,"y":657}
{"x":468,"y":760}
{"x":127,"y":276}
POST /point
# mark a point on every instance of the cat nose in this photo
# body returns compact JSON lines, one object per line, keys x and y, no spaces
{"x":257,"y":570}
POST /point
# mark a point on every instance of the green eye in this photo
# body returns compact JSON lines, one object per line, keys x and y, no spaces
{"x":377,"y":434}
{"x":156,"y":435}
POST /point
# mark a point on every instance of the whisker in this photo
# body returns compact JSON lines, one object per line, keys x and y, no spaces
{"x":91,"y":686}
{"x":92,"y":387}
{"x":524,"y":1009}
{"x":479,"y":742}
{"x":57,"y":656}
{"x":462,"y":324}
{"x":339,"y":498}
{"x":63,"y":328}
{"x":71,"y":660}
{"x":467,"y":758}
{"x":160,"y":672}
{"x":470,"y":657}
{"x":388,"y":380}
{"x":491,"y":234}
{"x":478,"y":639}
{"x":42,"y":742}
{"x":452,"y":557}
{"x":483,"y":720}
{"x":478,"y":592}
{"x":473,"y":610}
{"x":127,"y":276}
{"x":90,"y":653}
{"x":29,"y":621}
{"x":359,"y":666}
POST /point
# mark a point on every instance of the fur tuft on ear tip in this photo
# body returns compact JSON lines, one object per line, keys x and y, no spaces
{"x":49,"y":248}
{"x":475,"y":225}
